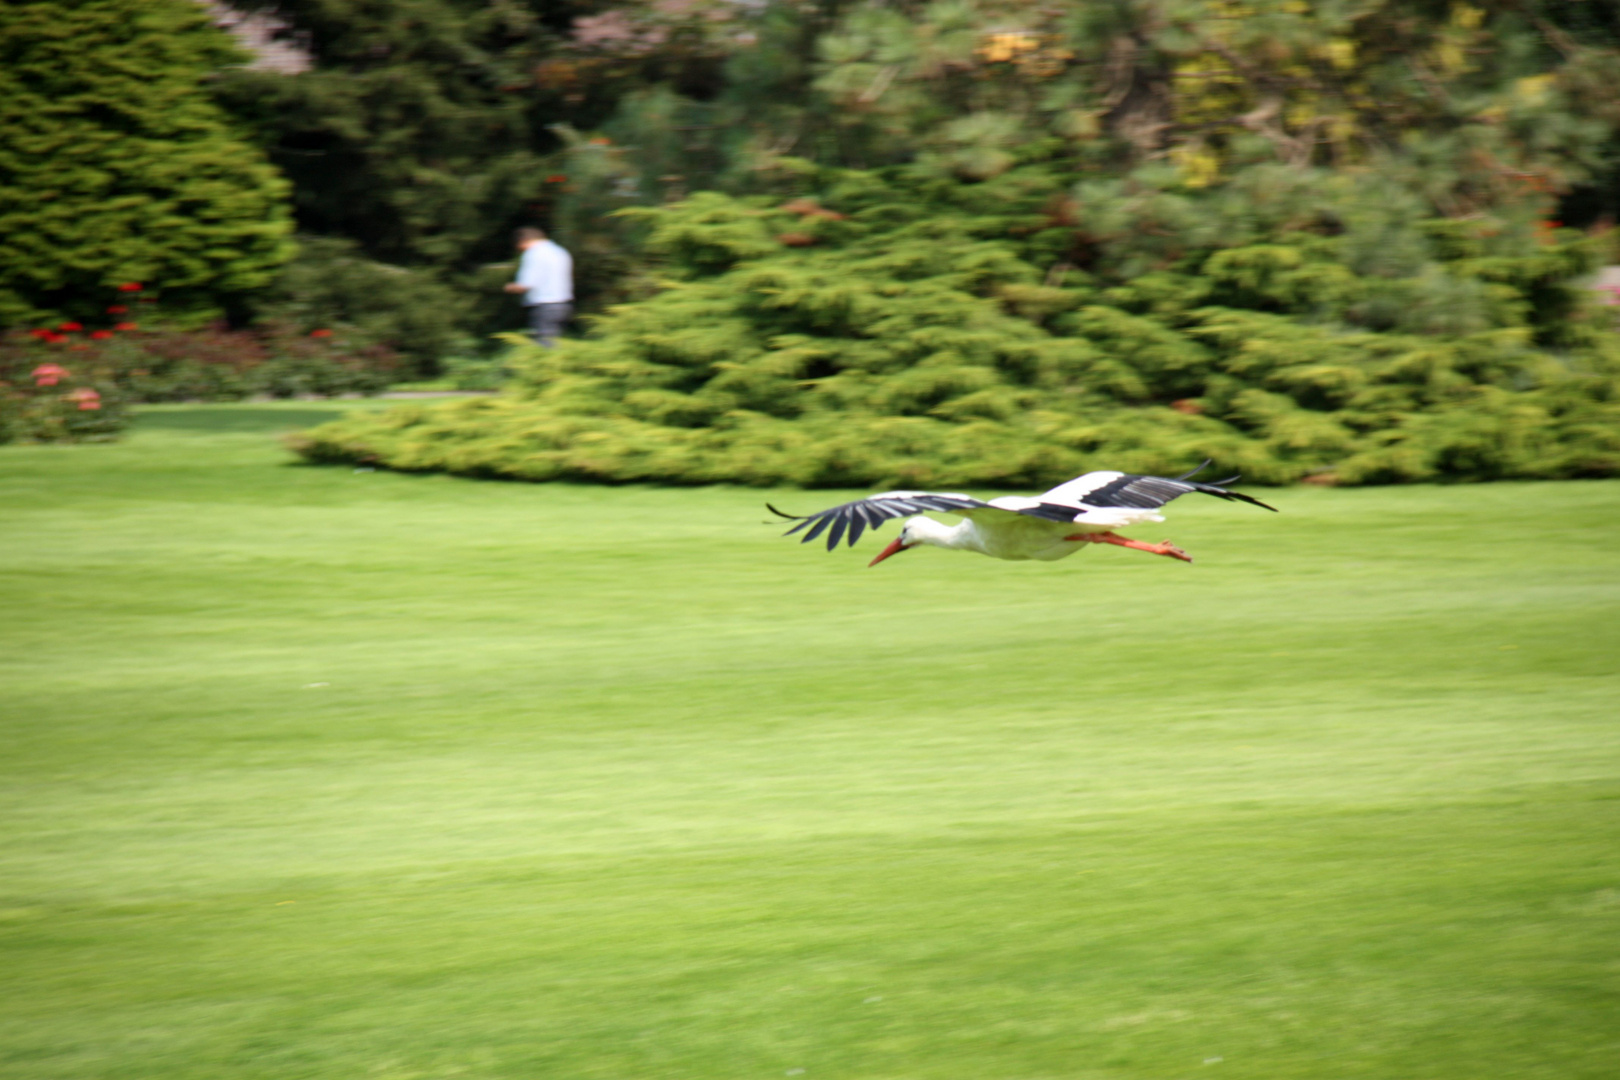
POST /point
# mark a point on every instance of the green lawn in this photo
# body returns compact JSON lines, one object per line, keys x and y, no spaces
{"x":311,"y":772}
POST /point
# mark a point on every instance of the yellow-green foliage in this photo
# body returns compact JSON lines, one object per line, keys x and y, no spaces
{"x":903,"y":331}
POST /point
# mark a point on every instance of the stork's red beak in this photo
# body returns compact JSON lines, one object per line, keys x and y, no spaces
{"x":895,"y":546}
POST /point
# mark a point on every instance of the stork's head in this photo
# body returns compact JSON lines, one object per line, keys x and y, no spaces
{"x":912,"y":533}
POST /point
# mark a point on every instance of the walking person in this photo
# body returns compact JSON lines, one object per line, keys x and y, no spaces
{"x":545,"y":277}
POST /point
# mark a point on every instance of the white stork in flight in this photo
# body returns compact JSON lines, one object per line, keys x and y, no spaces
{"x":1047,"y":527}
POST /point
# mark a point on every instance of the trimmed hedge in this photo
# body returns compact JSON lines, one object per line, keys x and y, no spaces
{"x":902,"y":330}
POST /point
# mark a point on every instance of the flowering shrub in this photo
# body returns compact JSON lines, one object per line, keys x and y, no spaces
{"x":46,"y":401}
{"x":68,"y":383}
{"x":216,"y":364}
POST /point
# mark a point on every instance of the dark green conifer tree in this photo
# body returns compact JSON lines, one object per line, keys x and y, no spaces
{"x":416,"y":132}
{"x":117,"y":166}
{"x":418,"y":140}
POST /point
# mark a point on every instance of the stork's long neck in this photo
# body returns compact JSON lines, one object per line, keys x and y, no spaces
{"x":958,"y":536}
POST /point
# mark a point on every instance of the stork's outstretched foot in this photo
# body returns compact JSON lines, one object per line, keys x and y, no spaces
{"x":1166,"y":548}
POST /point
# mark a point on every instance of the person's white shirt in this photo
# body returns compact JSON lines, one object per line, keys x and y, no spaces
{"x":547,"y":271}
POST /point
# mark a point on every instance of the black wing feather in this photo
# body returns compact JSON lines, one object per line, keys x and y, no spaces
{"x":1152,"y":492}
{"x":1137,"y":492}
{"x":854,"y":518}
{"x":815,"y":530}
{"x":857,"y":524}
{"x":836,"y":533}
{"x":1221,"y":493}
{"x":1201,"y":468}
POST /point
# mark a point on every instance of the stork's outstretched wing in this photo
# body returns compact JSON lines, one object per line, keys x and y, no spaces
{"x":874,"y":511}
{"x":1107,"y":490}
{"x":1068,"y":503}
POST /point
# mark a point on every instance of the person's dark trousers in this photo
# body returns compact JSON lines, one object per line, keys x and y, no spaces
{"x":546,"y":321}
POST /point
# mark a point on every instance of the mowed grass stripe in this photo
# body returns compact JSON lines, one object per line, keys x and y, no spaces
{"x":617,"y":783}
{"x":1051,"y":953}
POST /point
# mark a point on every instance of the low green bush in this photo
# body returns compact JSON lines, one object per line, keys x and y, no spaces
{"x":330,"y":284}
{"x":475,"y":372}
{"x":904,"y":330}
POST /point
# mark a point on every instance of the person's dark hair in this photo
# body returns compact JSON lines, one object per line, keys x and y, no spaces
{"x":526,"y":234}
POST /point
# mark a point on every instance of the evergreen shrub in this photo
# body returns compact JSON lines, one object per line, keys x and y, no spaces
{"x":117,"y":165}
{"x":331,"y":284}
{"x":897,"y":328}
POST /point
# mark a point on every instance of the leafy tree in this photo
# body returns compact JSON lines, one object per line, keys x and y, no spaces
{"x":330,"y":284}
{"x":1302,"y":240}
{"x":424,"y":133}
{"x":1475,"y":101}
{"x":117,"y":166}
{"x":416,"y":132}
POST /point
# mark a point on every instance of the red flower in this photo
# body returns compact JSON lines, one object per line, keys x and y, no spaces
{"x":556,"y":179}
{"x":49,"y":374}
{"x":70,"y":326}
{"x":80,"y":347}
{"x":41,"y":334}
{"x":126,"y":326}
{"x":101,"y":335}
{"x":117,"y":309}
{"x":54,"y":338}
{"x":133,"y":286}
{"x":320,"y":333}
{"x":86,"y":397}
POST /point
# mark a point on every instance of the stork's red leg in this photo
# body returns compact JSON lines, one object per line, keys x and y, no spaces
{"x":1166,"y":548}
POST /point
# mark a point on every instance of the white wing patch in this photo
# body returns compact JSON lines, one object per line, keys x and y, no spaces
{"x":1015,"y":503}
{"x":1105,"y":517}
{"x":1074,"y":492}
{"x":1116,"y":517}
{"x":914,"y":494}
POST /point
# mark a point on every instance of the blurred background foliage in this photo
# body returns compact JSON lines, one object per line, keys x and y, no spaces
{"x":1154,"y":189}
{"x":118,"y":165}
{"x":902,"y":329}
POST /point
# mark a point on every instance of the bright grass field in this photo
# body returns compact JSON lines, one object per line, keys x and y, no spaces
{"x":310,"y":772}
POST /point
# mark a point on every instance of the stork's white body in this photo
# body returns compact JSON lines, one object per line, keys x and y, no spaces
{"x":1046,"y":528}
{"x":1017,"y":537}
